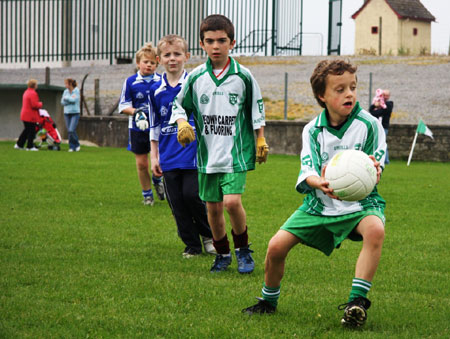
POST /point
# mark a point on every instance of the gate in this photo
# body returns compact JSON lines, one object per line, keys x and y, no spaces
{"x":334,"y":27}
{"x":70,"y":30}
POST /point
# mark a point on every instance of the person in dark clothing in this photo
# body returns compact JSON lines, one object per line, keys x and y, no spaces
{"x":177,"y":164}
{"x":384,"y":114}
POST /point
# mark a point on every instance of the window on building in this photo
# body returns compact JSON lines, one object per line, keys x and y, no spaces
{"x":414,"y":31}
{"x":374,"y":29}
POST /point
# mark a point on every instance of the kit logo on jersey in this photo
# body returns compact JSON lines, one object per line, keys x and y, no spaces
{"x":204,"y":99}
{"x":261,"y":106}
{"x":166,"y":130}
{"x":324,"y":156}
{"x":233,"y":98}
{"x":340,"y":147}
{"x":164,"y":111}
{"x":139,"y":95}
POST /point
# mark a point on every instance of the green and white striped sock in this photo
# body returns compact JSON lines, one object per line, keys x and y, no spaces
{"x":360,"y":288}
{"x":271,"y":294}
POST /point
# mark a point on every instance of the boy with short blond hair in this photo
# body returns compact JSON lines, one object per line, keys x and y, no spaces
{"x":177,"y":164}
{"x":323,"y":221}
{"x":227,"y":106}
{"x":134,"y":102}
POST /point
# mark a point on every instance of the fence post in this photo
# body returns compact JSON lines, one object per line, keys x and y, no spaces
{"x":370,"y":89}
{"x":285,"y":95}
{"x":66,"y":42}
{"x":274,"y":27}
{"x":97,"y":110}
{"x":47,"y":75}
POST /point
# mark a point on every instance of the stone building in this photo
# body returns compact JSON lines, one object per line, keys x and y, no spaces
{"x":395,"y":27}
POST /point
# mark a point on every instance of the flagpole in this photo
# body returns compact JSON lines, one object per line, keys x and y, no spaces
{"x":412,"y":149}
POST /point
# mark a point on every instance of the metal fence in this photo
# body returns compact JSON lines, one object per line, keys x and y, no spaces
{"x":334,"y":27}
{"x":58,"y":30}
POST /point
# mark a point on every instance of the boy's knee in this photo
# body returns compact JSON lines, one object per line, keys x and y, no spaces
{"x":214,"y":209}
{"x":375,"y":234}
{"x":276,"y":250}
{"x":142,"y":166}
{"x":232,"y":205}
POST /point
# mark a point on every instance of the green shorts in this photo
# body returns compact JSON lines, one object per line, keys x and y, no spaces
{"x":326,"y":233}
{"x":212,"y":187}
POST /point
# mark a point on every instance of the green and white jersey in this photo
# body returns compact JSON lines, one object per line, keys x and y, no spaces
{"x":321,"y":142}
{"x":226,"y":113}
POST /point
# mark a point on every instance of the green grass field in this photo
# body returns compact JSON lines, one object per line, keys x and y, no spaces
{"x":80,"y":256}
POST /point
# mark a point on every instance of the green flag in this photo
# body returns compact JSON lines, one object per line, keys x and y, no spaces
{"x":423,"y":129}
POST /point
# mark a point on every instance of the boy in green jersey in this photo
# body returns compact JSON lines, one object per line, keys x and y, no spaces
{"x":228,"y":109}
{"x":323,"y":221}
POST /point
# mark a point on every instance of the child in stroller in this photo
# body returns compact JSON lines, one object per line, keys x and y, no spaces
{"x":47,"y":131}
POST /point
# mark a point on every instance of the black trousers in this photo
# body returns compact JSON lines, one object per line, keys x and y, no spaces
{"x":28,"y":134}
{"x":187,"y":208}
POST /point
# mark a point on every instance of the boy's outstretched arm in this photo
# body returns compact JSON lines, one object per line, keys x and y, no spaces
{"x":321,"y":183}
{"x":262,"y":149}
{"x":186,"y":133}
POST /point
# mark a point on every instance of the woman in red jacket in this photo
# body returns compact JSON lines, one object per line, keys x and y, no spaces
{"x":29,"y":115}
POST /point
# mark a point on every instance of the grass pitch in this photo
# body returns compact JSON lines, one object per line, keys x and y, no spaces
{"x":80,"y":256}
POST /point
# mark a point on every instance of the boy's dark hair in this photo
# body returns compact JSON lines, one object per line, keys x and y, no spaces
{"x":325,"y":68}
{"x":217,"y":22}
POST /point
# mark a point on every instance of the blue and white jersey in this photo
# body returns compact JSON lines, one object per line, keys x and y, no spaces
{"x":171,"y":154}
{"x":135,"y":94}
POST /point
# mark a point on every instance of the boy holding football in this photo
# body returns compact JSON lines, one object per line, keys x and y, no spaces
{"x":323,"y":221}
{"x":228,"y":108}
{"x":177,"y":164}
{"x":134,"y":102}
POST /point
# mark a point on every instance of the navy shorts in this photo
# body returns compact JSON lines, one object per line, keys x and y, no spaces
{"x":138,"y":142}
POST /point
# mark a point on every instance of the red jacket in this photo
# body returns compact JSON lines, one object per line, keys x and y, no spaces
{"x":30,"y":106}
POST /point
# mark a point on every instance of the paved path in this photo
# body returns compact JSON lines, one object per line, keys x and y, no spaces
{"x":419,"y":85}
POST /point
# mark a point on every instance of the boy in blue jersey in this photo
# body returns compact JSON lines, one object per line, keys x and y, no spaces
{"x":178,"y":165}
{"x":323,"y":221}
{"x":134,"y":102}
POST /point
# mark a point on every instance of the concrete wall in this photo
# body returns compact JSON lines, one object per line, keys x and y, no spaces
{"x":109,"y":131}
{"x":11,"y":105}
{"x":284,"y":137}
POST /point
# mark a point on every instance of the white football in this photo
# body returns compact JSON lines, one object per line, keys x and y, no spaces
{"x":351,"y":174}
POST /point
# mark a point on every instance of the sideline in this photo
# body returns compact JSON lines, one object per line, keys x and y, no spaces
{"x":63,"y":141}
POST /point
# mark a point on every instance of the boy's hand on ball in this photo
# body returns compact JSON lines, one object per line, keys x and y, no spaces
{"x":321,"y":183}
{"x":186,"y":133}
{"x":262,"y":149}
{"x":141,"y":119}
{"x":377,"y":166}
{"x":324,"y":185}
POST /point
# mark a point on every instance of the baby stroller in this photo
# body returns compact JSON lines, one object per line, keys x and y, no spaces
{"x":47,"y":131}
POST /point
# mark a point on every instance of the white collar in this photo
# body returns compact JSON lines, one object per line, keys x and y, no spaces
{"x":181,"y":81}
{"x":155,"y":76}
